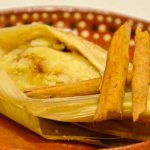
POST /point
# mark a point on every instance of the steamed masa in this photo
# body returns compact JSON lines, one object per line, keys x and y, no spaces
{"x":44,"y":61}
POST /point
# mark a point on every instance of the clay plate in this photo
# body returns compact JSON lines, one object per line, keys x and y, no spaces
{"x":94,"y":25}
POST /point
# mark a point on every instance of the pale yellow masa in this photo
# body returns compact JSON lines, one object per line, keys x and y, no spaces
{"x":41,"y":62}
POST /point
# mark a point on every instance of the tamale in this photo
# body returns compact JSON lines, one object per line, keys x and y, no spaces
{"x":13,"y":105}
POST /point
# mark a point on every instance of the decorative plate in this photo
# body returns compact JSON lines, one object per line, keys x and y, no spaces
{"x":94,"y":25}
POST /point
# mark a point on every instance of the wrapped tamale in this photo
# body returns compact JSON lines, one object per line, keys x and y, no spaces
{"x":37,"y":55}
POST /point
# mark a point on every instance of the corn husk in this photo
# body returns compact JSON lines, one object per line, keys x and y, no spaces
{"x":13,"y":37}
{"x":113,"y":84}
{"x":60,"y":109}
{"x":122,"y":128}
{"x":141,"y":73}
{"x":14,"y":105}
{"x":86,"y":87}
{"x":32,"y":114}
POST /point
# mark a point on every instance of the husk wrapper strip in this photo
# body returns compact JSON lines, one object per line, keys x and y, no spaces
{"x":86,"y":87}
{"x":113,"y":84}
{"x":141,"y":72}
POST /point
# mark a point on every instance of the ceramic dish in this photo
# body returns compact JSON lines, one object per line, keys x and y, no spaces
{"x":94,"y":25}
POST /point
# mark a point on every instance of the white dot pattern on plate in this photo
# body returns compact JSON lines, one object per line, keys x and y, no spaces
{"x":54,"y":16}
{"x":25,"y":16}
{"x":109,"y":19}
{"x":85,"y":33}
{"x":90,"y":16}
{"x":96,"y":36}
{"x":82,"y":24}
{"x":60,"y":24}
{"x":100,"y":18}
{"x":118,"y":21}
{"x":77,"y":15}
{"x":13,"y":18}
{"x":102,"y":28}
{"x":2,"y":18}
{"x":107,"y":37}
{"x":45,"y":15}
{"x":66,"y":15}
{"x":35,"y":16}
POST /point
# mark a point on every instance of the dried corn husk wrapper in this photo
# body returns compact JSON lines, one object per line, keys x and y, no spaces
{"x":13,"y":37}
{"x":141,"y":73}
{"x":38,"y":115}
{"x":18,"y":107}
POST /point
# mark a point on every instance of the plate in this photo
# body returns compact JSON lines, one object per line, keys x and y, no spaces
{"x":94,"y":25}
